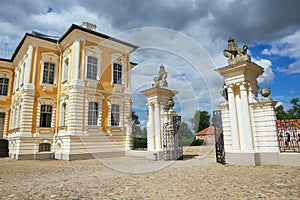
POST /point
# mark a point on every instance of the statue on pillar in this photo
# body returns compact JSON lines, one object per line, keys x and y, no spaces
{"x":160,"y":79}
{"x":234,"y":53}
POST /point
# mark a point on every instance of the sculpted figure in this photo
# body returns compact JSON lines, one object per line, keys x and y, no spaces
{"x":233,"y":51}
{"x":160,"y":79}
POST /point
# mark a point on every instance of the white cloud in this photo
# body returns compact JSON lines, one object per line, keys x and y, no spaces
{"x":268,"y":75}
{"x":288,"y":46}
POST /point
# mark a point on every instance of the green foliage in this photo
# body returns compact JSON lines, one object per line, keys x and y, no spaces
{"x":139,"y":142}
{"x":185,"y":131}
{"x":135,"y":118}
{"x":200,"y":121}
{"x":292,"y":113}
{"x":187,"y":141}
{"x":136,"y":130}
{"x":197,"y":142}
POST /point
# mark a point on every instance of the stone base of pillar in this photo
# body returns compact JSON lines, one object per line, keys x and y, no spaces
{"x":262,"y":158}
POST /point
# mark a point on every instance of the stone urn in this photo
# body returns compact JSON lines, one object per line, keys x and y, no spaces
{"x":170,"y":104}
{"x":265,"y":92}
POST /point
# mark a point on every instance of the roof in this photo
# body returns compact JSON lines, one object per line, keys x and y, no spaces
{"x":208,"y":131}
{"x":52,"y":39}
{"x":74,"y":26}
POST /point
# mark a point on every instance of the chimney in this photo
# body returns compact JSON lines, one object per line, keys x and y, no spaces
{"x":89,"y":26}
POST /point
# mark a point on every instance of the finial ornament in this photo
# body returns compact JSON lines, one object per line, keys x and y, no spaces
{"x":234,"y":53}
{"x":160,"y":79}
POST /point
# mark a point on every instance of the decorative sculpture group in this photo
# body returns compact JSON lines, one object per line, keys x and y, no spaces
{"x":236,"y":54}
{"x":161,"y":79}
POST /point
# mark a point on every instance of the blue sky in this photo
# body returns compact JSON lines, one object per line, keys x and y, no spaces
{"x":187,"y":36}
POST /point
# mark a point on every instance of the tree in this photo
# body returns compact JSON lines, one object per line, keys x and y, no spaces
{"x":144,"y":133}
{"x":292,"y":113}
{"x":136,"y":129}
{"x":184,"y":130}
{"x":200,"y":120}
{"x":280,"y":113}
{"x":135,"y":118}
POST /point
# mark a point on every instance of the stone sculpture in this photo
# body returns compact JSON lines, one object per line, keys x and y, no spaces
{"x":160,"y":79}
{"x":234,"y":53}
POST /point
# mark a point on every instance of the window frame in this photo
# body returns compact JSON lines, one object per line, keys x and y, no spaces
{"x":95,"y":52}
{"x":52,"y":71}
{"x":117,"y":58}
{"x":115,"y":115}
{"x":93,"y":113}
{"x":44,"y":147}
{"x":46,"y":116}
{"x":2,"y":86}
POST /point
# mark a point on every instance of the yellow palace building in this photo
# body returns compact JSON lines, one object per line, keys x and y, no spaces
{"x":67,"y":97}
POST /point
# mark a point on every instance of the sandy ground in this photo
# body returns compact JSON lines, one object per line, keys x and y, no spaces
{"x":196,"y":177}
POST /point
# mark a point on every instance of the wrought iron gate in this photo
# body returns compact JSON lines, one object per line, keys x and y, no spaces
{"x":289,"y":135}
{"x":219,"y":140}
{"x":172,"y":144}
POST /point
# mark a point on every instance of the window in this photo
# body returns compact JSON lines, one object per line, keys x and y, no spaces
{"x":66,"y":69}
{"x":115,"y":115}
{"x":63,"y":115}
{"x":46,"y":116}
{"x":117,"y":73}
{"x":93,"y":113}
{"x":44,"y":147}
{"x":48,"y":74}
{"x":4,"y":86}
{"x":91,"y":67}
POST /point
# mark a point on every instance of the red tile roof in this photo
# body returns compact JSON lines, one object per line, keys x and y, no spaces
{"x":208,"y":131}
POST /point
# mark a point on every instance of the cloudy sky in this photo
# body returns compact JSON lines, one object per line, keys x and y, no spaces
{"x":188,"y":37}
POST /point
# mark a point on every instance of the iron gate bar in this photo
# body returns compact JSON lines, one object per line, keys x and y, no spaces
{"x":289,"y":135}
{"x":219,"y":138}
{"x":172,"y":144}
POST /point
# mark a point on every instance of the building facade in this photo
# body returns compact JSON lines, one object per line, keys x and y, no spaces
{"x":67,"y":97}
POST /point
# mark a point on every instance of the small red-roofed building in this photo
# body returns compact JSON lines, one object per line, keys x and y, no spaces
{"x":207,"y":135}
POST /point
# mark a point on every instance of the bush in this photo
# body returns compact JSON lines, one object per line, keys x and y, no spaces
{"x":197,"y":142}
{"x":186,"y":141}
{"x":139,"y":142}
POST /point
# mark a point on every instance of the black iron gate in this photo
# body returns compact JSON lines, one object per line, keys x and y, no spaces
{"x":219,"y":140}
{"x":172,"y":144}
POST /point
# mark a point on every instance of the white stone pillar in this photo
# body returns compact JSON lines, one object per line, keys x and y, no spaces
{"x":248,"y":137}
{"x":150,"y":128}
{"x":157,"y":126}
{"x":240,"y":122}
{"x":28,"y":66}
{"x":233,"y":119}
{"x":129,"y":140}
{"x":76,"y":60}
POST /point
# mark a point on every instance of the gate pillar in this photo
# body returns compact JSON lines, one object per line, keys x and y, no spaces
{"x":249,"y":123}
{"x":159,"y":100}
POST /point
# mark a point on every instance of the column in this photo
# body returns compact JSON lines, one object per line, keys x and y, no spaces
{"x":76,"y":60}
{"x":129,"y":140}
{"x":150,"y":135}
{"x":233,"y":119}
{"x":240,"y":121}
{"x":157,"y":126}
{"x":28,"y":65}
{"x":248,"y":139}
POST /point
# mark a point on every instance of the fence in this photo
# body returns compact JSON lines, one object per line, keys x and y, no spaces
{"x":289,"y":135}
